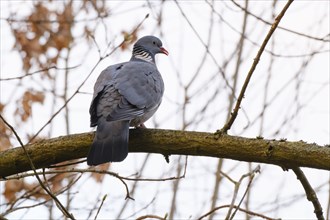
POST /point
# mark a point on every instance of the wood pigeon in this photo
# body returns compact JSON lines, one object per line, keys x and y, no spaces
{"x":125,"y":94}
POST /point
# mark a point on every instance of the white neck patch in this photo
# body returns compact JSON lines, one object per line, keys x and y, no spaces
{"x":143,"y":56}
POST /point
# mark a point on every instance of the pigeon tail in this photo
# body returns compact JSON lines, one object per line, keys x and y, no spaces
{"x":110,"y":143}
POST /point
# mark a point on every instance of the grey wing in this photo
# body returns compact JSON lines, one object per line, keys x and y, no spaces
{"x":131,"y":90}
{"x":110,"y":104}
{"x":105,"y":78}
{"x":105,"y":101}
{"x":141,"y":85}
{"x":92,"y":110}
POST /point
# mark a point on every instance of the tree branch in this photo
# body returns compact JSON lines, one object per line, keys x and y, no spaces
{"x":310,"y":193}
{"x":169,"y":142}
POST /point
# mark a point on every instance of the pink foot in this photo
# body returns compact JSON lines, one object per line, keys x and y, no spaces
{"x":141,"y":126}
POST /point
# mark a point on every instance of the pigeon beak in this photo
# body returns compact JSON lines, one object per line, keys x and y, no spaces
{"x":164,"y":51}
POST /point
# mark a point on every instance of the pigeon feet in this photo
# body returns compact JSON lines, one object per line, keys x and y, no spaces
{"x":140,"y":126}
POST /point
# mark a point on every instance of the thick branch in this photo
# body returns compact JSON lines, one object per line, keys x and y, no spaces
{"x":169,"y":142}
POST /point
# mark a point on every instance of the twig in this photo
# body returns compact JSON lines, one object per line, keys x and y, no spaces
{"x":327,"y":215}
{"x":38,"y":71}
{"x":151,"y":216}
{"x":310,"y":193}
{"x":140,"y":210}
{"x":98,"y":210}
{"x":175,"y":191}
{"x":40,"y":21}
{"x":59,"y":204}
{"x":96,"y":44}
{"x":237,"y":185}
{"x":133,"y":187}
{"x":252,"y":175}
{"x":67,"y":164}
{"x":241,"y":209}
{"x":76,"y":170}
{"x":231,"y":120}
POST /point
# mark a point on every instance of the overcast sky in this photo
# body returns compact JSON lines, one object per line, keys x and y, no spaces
{"x":310,"y":124}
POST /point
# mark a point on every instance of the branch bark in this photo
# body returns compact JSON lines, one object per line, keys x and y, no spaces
{"x":169,"y":142}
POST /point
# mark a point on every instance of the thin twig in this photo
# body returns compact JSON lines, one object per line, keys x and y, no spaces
{"x":38,"y":71}
{"x":216,"y":188}
{"x":150,"y":216}
{"x":237,"y":186}
{"x":140,"y":210}
{"x":310,"y":193}
{"x":40,"y":21}
{"x":75,"y":162}
{"x":134,"y":186}
{"x":60,"y":206}
{"x":175,"y":191}
{"x":327,"y":215}
{"x":98,"y":210}
{"x":251,"y":175}
{"x":231,"y":120}
{"x":96,"y":44}
{"x":241,"y":209}
{"x":76,"y":170}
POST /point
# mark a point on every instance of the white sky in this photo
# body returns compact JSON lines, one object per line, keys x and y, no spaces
{"x":311,"y":124}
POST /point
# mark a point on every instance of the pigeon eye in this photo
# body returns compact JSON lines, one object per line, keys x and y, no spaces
{"x":154,"y":42}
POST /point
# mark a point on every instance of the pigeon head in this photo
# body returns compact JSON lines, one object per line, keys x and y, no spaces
{"x":146,"y":48}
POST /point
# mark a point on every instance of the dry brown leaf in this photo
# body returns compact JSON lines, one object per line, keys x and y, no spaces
{"x":38,"y":19}
{"x":11,"y":188}
{"x":129,"y":38}
{"x":5,"y":133}
{"x":98,"y":5}
{"x":37,"y":191}
{"x":2,"y":107}
{"x":4,"y":139}
{"x":57,"y":181}
{"x":99,"y":176}
{"x":48,"y":28}
{"x":24,"y":107}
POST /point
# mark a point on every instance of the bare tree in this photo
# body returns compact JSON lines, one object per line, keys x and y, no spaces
{"x":236,"y":70}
